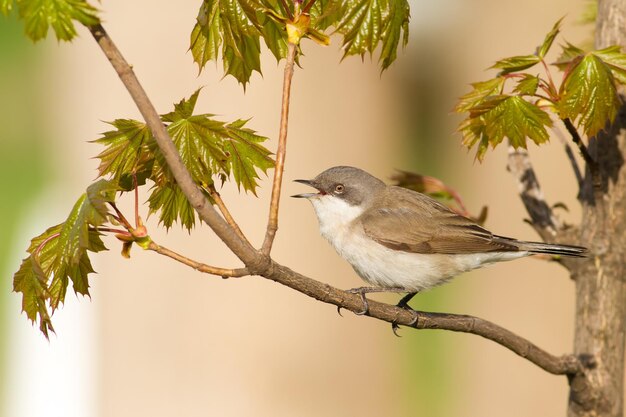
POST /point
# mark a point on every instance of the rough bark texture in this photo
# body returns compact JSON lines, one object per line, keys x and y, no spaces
{"x":601,"y":282}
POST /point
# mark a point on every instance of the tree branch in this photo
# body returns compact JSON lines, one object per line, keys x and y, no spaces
{"x":579,"y":142}
{"x":259,"y":264}
{"x":272,"y":224}
{"x":570,"y":156}
{"x":563,"y":365}
{"x":222,"y":272}
{"x":541,"y":215}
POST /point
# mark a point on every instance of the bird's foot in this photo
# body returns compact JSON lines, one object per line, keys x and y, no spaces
{"x":404,"y":303}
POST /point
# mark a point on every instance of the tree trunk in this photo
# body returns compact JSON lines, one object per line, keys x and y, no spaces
{"x":601,"y":281}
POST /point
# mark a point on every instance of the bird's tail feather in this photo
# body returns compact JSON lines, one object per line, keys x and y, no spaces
{"x":550,"y":248}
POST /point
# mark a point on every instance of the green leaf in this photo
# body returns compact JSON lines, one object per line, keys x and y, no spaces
{"x":615,"y":60}
{"x":504,"y":116}
{"x":516,"y":63}
{"x":198,"y":139}
{"x":547,"y":42}
{"x":234,"y":25}
{"x":397,"y":22}
{"x":527,"y":85}
{"x":588,"y":94}
{"x":172,"y":206}
{"x":325,"y":13}
{"x":49,"y":261}
{"x":246,"y":155}
{"x":365,"y":23}
{"x":127,"y":152}
{"x":32,"y":283}
{"x":516,"y":119}
{"x":39,"y":15}
{"x":482,"y":90}
{"x":569,"y":54}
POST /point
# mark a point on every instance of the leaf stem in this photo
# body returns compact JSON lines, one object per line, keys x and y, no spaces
{"x":198,"y":266}
{"x":272,"y":225}
{"x":308,"y":6}
{"x":121,"y":218}
{"x":553,"y":91}
{"x":287,"y":9}
{"x":215,"y":195}
{"x":137,"y":220}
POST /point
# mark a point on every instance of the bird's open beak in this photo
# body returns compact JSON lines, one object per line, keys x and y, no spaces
{"x":310,"y":183}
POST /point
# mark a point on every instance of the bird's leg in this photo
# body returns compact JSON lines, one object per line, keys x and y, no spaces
{"x":404,"y":303}
{"x":366,"y":290}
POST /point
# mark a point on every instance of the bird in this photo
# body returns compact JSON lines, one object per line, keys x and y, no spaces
{"x":399,"y":240}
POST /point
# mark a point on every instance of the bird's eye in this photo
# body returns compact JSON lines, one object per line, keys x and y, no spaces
{"x":339,"y":188}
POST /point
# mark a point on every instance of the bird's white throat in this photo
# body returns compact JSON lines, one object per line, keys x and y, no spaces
{"x":334,"y":215}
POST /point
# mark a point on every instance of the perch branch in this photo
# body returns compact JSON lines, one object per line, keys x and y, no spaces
{"x":272,"y":224}
{"x":222,"y":272}
{"x":259,"y":264}
{"x":562,"y":365}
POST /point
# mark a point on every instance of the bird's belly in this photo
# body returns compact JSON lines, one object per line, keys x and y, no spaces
{"x":384,"y":267}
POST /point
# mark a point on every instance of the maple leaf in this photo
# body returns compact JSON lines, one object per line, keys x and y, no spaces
{"x":39,"y":15}
{"x":366,"y":23}
{"x":589,"y":94}
{"x":246,"y":155}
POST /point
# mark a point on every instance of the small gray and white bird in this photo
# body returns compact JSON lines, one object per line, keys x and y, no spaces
{"x":400,"y":240}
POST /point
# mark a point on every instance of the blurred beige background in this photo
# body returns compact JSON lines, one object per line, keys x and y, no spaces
{"x":160,"y":339}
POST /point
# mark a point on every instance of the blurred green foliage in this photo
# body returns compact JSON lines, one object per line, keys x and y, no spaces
{"x":22,"y":161}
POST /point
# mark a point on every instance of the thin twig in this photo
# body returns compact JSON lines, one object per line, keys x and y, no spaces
{"x":570,"y":156}
{"x":198,"y":266}
{"x":215,"y":195}
{"x":272,"y":224}
{"x":581,"y":146}
{"x":541,"y":215}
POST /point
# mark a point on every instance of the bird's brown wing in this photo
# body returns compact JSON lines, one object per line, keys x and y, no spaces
{"x":413,"y":222}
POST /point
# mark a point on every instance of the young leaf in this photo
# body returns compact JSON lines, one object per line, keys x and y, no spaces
{"x":398,"y":21}
{"x":127,"y":151}
{"x":569,"y":53}
{"x":365,"y":23}
{"x":527,"y":85}
{"x":482,"y":90}
{"x":615,"y":60}
{"x":516,"y":63}
{"x":504,"y":116}
{"x":516,"y":119}
{"x":588,"y":94}
{"x":32,"y":283}
{"x":172,"y":205}
{"x":198,"y":139}
{"x":233,"y":24}
{"x":246,"y":155}
{"x":39,"y":15}
{"x":547,"y":42}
